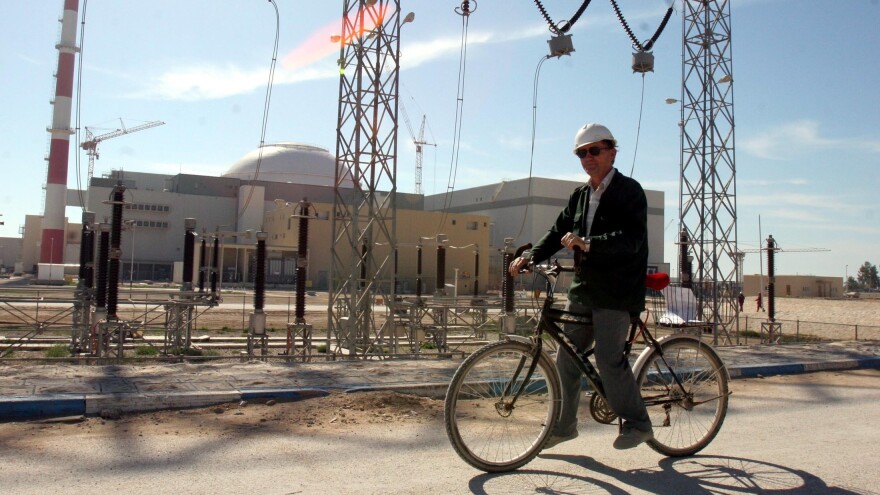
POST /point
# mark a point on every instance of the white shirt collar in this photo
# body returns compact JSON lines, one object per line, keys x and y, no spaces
{"x":604,"y":184}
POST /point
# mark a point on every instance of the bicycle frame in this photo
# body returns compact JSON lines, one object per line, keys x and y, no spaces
{"x":547,"y":324}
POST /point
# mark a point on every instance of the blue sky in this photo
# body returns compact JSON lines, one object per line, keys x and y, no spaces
{"x":807,"y":109}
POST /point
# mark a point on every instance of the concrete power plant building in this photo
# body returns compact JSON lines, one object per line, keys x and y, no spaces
{"x":475,"y":223}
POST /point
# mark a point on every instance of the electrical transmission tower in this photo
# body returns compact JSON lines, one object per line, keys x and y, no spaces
{"x":707,"y":207}
{"x":364,"y":218}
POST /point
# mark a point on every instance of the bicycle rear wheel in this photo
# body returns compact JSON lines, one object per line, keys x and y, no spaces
{"x":497,"y":416}
{"x":685,"y":417}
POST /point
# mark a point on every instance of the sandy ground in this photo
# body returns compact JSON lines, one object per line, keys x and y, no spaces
{"x":833,"y":319}
{"x":338,"y":412}
{"x":844,"y":311}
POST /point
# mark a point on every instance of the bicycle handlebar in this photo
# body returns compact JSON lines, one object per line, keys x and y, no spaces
{"x":654,"y":281}
{"x":520,"y":250}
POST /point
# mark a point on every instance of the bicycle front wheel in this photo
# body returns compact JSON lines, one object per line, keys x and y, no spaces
{"x":685,"y":389}
{"x":499,"y":413}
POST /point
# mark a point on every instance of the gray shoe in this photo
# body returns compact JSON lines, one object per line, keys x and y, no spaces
{"x":631,"y":437}
{"x":556,"y":440}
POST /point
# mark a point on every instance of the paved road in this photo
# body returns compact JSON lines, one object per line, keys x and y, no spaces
{"x":800,"y":434}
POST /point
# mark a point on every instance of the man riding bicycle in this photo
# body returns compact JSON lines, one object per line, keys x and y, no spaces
{"x":606,"y":219}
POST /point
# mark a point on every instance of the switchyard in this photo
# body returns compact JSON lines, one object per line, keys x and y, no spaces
{"x":367,"y":314}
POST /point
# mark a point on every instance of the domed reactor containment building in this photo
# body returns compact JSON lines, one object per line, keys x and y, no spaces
{"x":287,"y":162}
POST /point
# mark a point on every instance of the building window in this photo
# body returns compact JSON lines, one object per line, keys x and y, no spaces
{"x":146,"y":207}
{"x":147,"y":224}
{"x":473,"y":225}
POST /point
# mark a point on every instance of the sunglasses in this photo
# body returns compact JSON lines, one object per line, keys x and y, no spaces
{"x":583,"y":152}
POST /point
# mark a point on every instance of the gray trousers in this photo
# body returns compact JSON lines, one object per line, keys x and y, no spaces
{"x":610,"y":330}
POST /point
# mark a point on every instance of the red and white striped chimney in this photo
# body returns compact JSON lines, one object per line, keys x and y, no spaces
{"x":52,"y":238}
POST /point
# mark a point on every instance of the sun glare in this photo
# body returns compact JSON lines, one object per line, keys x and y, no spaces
{"x":325,"y":41}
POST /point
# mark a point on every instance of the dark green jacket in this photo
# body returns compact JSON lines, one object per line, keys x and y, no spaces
{"x":613,"y":272}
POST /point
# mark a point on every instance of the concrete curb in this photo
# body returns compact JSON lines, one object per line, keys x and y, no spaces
{"x":19,"y":408}
{"x":126,"y":403}
{"x":283,"y":394}
{"x":432,"y":390}
{"x":752,"y":371}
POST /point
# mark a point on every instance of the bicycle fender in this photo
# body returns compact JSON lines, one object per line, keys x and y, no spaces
{"x":519,"y":338}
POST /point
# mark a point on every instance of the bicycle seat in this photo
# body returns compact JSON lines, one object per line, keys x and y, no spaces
{"x":657,"y":281}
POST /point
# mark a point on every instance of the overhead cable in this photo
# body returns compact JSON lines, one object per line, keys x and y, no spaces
{"x":266,"y":105}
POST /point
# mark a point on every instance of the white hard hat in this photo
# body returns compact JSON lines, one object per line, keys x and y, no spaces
{"x":592,"y":133}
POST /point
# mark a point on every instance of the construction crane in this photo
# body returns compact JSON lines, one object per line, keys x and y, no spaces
{"x":419,"y":142}
{"x":91,"y":142}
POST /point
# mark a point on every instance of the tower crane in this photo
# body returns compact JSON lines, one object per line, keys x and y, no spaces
{"x":91,"y":142}
{"x":419,"y":142}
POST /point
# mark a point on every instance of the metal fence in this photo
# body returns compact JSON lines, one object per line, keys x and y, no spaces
{"x":33,"y":315}
{"x":808,"y":331}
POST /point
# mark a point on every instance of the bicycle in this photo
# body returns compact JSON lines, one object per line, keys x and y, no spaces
{"x":505,"y":398}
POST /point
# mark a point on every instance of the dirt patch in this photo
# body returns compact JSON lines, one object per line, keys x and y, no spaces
{"x":338,"y":412}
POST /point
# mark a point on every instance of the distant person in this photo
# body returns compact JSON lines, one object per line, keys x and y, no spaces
{"x":760,"y":302}
{"x":742,"y":300}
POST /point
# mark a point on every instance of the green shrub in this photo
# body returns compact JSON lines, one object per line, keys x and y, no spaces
{"x":58,"y":351}
{"x":322,"y":349}
{"x":146,"y":350}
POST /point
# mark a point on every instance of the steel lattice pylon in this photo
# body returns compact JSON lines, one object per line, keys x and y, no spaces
{"x":707,"y":207}
{"x":364,"y":218}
